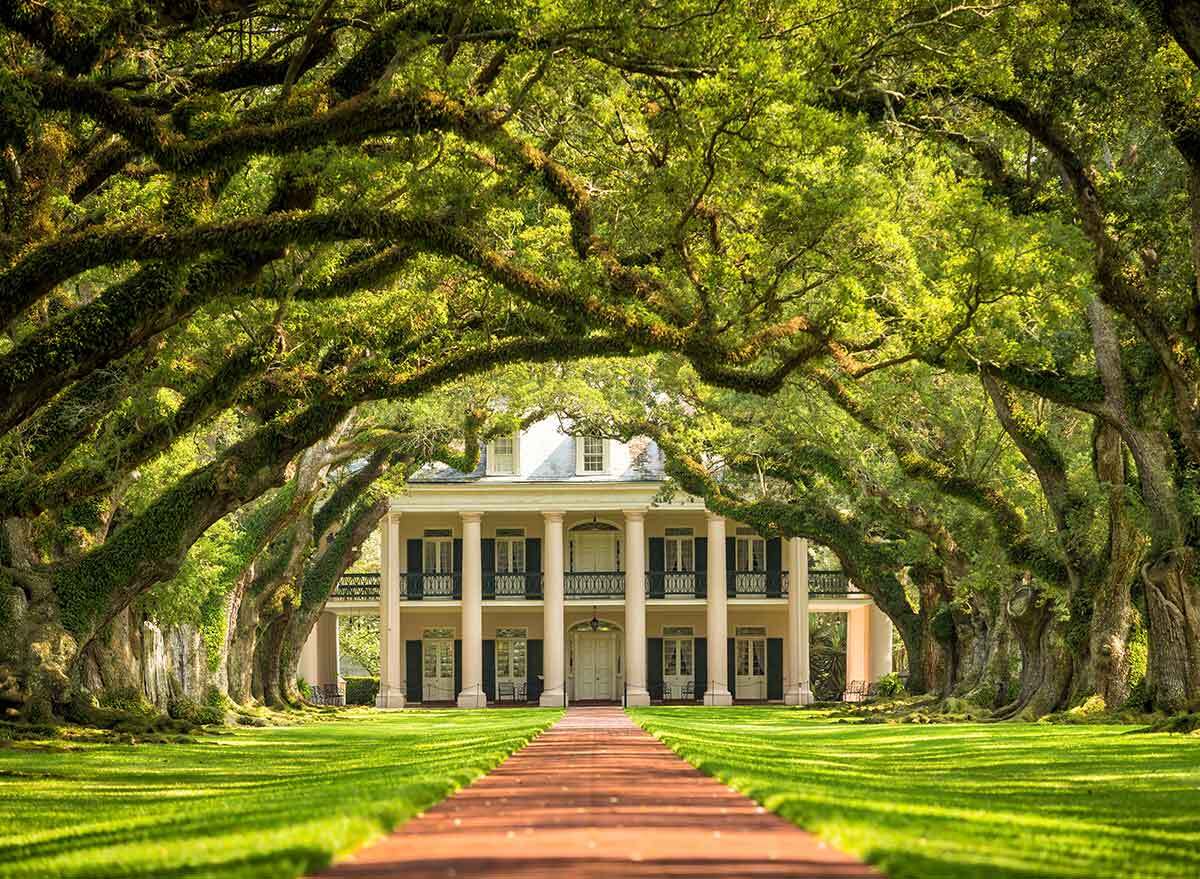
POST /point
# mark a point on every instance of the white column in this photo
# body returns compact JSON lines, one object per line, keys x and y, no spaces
{"x":798,"y":691}
{"x":635,"y":608}
{"x":880,"y":662}
{"x":553,"y":665}
{"x":857,"y":644}
{"x":326,"y":630}
{"x":472,"y":695}
{"x":391,"y":654}
{"x":716,"y":691}
{"x":307,"y":669}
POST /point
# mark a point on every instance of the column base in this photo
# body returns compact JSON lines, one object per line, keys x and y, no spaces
{"x":473,"y":699}
{"x":552,"y":698}
{"x":390,"y":697}
{"x":718,"y":697}
{"x":797,"y":696}
{"x":637,"y":696}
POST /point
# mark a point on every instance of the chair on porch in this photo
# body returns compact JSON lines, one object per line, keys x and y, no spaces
{"x":856,"y":691}
{"x":328,"y":694}
{"x":687,"y":693}
{"x":521,"y":692}
{"x":506,"y":692}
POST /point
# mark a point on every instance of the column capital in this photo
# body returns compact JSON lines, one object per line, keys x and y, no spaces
{"x":635,"y":515}
{"x":711,"y":516}
{"x":393,"y":516}
{"x":471,"y":516}
{"x":553,"y":515}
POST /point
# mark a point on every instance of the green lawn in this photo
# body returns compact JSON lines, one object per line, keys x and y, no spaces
{"x":996,"y":800}
{"x":270,"y":802}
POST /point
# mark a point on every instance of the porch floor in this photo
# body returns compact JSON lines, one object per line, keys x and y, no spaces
{"x":596,"y":796}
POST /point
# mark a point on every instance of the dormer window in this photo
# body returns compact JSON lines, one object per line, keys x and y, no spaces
{"x":504,"y":455}
{"x":591,"y":455}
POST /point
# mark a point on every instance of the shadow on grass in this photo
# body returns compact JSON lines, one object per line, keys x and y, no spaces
{"x":959,"y":800}
{"x":274,"y":802}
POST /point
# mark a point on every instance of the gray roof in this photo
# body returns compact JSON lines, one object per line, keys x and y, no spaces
{"x":556,"y":465}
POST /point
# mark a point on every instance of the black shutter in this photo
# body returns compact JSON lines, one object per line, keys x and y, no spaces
{"x":487,"y":558}
{"x":489,"y":669}
{"x":775,"y":568}
{"x":413,"y":670}
{"x":533,"y":666}
{"x":774,"y":668}
{"x":731,"y":667}
{"x":654,"y":667}
{"x":731,"y":568}
{"x":458,"y":687}
{"x":456,"y":577}
{"x":533,"y":567}
{"x":658,"y":564}
{"x":701,"y":648}
{"x":415,"y":553}
{"x":701,"y":567}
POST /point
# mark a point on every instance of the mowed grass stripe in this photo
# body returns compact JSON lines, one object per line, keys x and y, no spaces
{"x":960,"y":800}
{"x":271,"y":802}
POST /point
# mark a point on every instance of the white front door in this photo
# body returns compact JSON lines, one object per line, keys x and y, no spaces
{"x":751,"y":659}
{"x":594,"y":665}
{"x":438,"y":659}
{"x":594,"y":552}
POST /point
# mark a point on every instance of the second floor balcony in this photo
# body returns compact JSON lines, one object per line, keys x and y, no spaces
{"x":529,"y":586}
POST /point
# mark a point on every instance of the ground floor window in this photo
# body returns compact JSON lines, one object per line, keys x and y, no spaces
{"x":511,"y":654}
{"x":678,"y":651}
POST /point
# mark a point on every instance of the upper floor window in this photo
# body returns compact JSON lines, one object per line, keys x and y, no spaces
{"x":504,"y":455}
{"x":438,"y":548}
{"x":679,"y":550}
{"x":510,"y":550}
{"x":751,"y":551}
{"x":592,"y":455}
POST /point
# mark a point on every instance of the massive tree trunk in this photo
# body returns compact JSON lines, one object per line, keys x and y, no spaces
{"x":66,"y":608}
{"x":986,"y":668}
{"x":1047,"y":664}
{"x":1173,"y":611}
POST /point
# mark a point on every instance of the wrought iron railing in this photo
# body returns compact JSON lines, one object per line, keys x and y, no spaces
{"x":823,"y":583}
{"x":518,"y":584}
{"x":757,"y":584}
{"x":357,"y":587}
{"x":594,"y":584}
{"x":424,"y":585}
{"x":674,"y":584}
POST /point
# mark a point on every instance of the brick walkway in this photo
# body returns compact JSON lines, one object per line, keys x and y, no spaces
{"x":596,"y":796}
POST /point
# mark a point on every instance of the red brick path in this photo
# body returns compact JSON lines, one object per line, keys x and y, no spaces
{"x":596,"y":796}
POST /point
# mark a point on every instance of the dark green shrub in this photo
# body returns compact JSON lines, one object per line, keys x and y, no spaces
{"x":890,"y":685}
{"x":361,"y":691}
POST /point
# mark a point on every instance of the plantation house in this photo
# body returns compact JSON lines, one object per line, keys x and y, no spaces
{"x":555,"y":573}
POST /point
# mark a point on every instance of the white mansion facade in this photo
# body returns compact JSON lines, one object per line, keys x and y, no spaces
{"x":554,"y":573}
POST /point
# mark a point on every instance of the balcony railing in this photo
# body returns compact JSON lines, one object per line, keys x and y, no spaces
{"x":756,"y":584}
{"x":357,"y":587}
{"x":675,"y":584}
{"x":825,"y":583}
{"x":518,"y":584}
{"x":429,"y":586}
{"x":594,"y":584}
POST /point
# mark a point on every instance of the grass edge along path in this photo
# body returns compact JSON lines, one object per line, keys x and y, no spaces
{"x":267,"y":803}
{"x":1015,"y":801}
